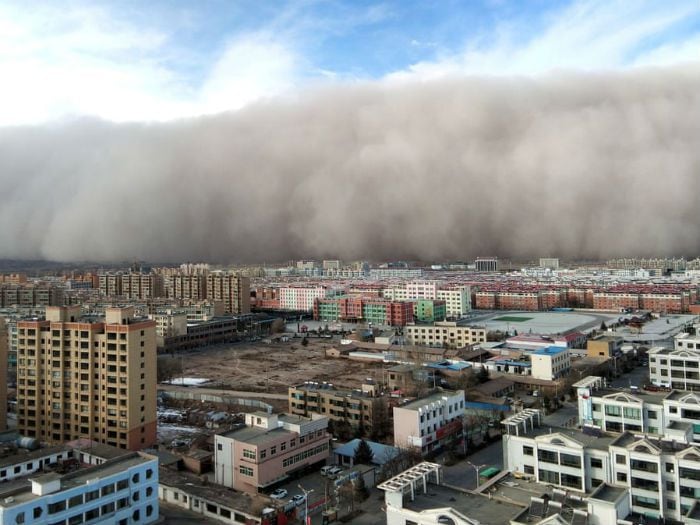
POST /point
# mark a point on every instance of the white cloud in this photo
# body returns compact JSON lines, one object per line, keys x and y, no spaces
{"x":251,"y":67}
{"x":587,"y":35}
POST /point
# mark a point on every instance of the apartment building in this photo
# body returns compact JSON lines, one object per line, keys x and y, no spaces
{"x":86,"y":377}
{"x":3,"y":374}
{"x":378,"y":311}
{"x":430,"y":422}
{"x":29,"y":295}
{"x":429,"y":310}
{"x":662,"y":476}
{"x":362,"y":409}
{"x":445,"y":333}
{"x":268,"y":449}
{"x":131,"y":285}
{"x":119,"y":491}
{"x":458,"y":301}
{"x":550,"y":363}
{"x":677,"y":368}
{"x":232,"y":289}
{"x":186,"y":286}
{"x":551,"y":263}
{"x":658,"y":413}
{"x":300,"y":298}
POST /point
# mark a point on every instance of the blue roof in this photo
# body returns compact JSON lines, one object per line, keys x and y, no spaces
{"x":446,"y":365}
{"x":550,"y":350}
{"x":524,"y":364}
{"x":382,"y":453}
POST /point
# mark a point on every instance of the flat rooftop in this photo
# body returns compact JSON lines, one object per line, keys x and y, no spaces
{"x":22,"y":491}
{"x":418,"y":403}
{"x":607,"y":492}
{"x":644,"y":395}
{"x":665,"y":445}
{"x":257,"y":435}
{"x":23,"y":455}
{"x":476,"y":506}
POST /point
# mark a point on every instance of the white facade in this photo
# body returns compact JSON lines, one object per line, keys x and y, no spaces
{"x":458,"y":301}
{"x":678,"y":368}
{"x":34,"y":462}
{"x":550,"y":363}
{"x":300,"y":298}
{"x":426,"y":423}
{"x":118,"y":492}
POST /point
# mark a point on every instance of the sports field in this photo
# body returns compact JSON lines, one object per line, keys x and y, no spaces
{"x":512,"y":319}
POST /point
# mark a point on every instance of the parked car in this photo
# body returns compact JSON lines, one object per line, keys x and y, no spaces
{"x":334,"y":471}
{"x":279,"y":494}
{"x":298,"y":499}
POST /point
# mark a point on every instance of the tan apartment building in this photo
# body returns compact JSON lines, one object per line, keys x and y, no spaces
{"x":232,"y":289}
{"x":132,"y":285}
{"x":268,"y":449}
{"x":362,"y":409}
{"x":86,"y":377}
{"x":191,"y":287}
{"x":3,"y":374}
{"x":445,"y":333}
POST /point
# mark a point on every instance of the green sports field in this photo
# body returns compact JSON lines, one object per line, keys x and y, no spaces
{"x":512,"y":319}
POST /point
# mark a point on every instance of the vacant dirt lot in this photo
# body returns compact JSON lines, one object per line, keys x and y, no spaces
{"x":259,"y":367}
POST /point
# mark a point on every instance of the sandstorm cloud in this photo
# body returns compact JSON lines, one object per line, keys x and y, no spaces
{"x":575,"y":165}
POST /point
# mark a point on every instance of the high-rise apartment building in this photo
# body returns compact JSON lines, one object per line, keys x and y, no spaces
{"x":82,"y":377}
{"x":3,"y":375}
{"x":132,"y":285}
{"x":188,"y":286}
{"x":232,"y":289}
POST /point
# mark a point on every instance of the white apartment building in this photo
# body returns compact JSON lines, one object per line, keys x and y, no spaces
{"x":445,"y":333}
{"x":679,"y":367}
{"x":430,"y":422}
{"x":458,"y":300}
{"x":662,"y":476}
{"x":550,"y":363}
{"x":300,"y":298}
{"x":120,"y":491}
{"x":658,"y":413}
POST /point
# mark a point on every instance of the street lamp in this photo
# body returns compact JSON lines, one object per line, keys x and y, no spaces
{"x":306,"y":503}
{"x":477,"y":468}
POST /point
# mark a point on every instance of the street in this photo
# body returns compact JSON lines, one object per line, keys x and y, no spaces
{"x":463,"y":474}
{"x":639,"y":376}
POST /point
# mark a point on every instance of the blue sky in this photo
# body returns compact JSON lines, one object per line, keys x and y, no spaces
{"x":159,"y":60}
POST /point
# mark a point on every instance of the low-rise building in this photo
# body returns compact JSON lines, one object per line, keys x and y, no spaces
{"x":550,"y":363}
{"x":429,"y":310}
{"x":430,"y":422}
{"x":446,"y":333}
{"x":679,"y":367}
{"x":604,"y":346}
{"x":118,"y":491}
{"x":364,"y":410}
{"x":268,"y":449}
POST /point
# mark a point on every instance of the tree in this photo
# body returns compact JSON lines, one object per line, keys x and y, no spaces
{"x":277,"y":326}
{"x":361,"y":492}
{"x":167,"y":368}
{"x":603,"y":326}
{"x":363,"y":454}
{"x":304,"y":342}
{"x":483,"y":375}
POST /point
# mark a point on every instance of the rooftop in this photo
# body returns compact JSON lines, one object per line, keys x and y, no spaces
{"x":551,"y":350}
{"x":474,"y":506}
{"x":607,"y":492}
{"x":599,"y":442}
{"x":21,"y":491}
{"x":257,"y":435}
{"x":23,"y":455}
{"x":432,"y":398}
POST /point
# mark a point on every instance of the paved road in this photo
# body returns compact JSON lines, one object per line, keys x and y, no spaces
{"x":562,"y":417}
{"x":639,"y":376}
{"x":463,"y":474}
{"x":218,"y":392}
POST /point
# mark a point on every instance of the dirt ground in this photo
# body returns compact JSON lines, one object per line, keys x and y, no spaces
{"x":260,"y":367}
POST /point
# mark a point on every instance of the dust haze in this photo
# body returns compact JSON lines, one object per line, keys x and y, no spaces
{"x":592,"y":165}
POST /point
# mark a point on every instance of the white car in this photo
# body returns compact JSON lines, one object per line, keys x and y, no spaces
{"x":298,"y":499}
{"x":279,"y":494}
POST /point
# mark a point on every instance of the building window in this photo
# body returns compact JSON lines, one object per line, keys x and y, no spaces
{"x":596,"y":463}
{"x":620,"y":459}
{"x":528,"y":451}
{"x":246,"y":471}
{"x":621,"y":476}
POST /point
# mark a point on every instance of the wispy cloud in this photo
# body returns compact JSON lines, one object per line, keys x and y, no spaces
{"x":586,"y":35}
{"x":128,"y":61}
